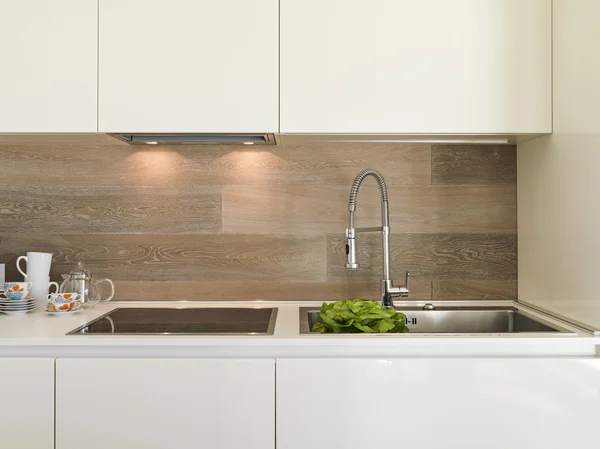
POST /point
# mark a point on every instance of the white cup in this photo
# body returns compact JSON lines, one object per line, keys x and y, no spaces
{"x":2,"y":274}
{"x":40,"y":288}
{"x":38,"y":265}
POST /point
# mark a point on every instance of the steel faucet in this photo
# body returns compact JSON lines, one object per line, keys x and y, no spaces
{"x":388,"y":291}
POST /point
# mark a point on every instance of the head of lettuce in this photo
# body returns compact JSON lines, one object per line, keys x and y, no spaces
{"x":359,"y":315}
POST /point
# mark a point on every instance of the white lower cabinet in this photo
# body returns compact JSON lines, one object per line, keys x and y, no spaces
{"x":165,"y":403}
{"x":26,"y":403}
{"x":438,"y":403}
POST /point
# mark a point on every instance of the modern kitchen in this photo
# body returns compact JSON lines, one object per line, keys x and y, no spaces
{"x":275,"y":224}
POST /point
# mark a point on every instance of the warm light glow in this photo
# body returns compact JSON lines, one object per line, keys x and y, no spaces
{"x":154,"y":167}
{"x":152,"y":143}
{"x":248,"y":143}
{"x":251,"y":166}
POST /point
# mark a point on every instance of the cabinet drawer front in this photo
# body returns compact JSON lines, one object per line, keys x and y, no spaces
{"x":165,"y":403}
{"x":27,"y":403}
{"x":438,"y":403}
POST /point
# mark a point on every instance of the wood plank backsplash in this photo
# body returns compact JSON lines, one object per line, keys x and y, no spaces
{"x":232,"y":223}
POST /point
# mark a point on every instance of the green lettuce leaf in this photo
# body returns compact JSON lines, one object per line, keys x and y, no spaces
{"x":359,"y":315}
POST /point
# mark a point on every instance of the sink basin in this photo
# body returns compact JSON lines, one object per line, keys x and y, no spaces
{"x":458,"y":320}
{"x":182,"y":321}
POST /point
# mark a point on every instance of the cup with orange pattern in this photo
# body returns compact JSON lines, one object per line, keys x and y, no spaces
{"x":63,"y":302}
{"x":17,"y":291}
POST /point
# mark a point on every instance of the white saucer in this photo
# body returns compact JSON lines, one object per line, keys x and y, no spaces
{"x":17,"y":301}
{"x":16,"y":312}
{"x":23,"y":307}
{"x":16,"y":306}
{"x":70,"y":313}
{"x":14,"y":309}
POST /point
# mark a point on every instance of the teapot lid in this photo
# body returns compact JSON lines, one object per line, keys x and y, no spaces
{"x":80,"y":272}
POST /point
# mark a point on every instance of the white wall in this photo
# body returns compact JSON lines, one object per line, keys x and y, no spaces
{"x":559,"y":177}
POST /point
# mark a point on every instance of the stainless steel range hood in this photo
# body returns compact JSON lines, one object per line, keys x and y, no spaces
{"x":196,"y":139}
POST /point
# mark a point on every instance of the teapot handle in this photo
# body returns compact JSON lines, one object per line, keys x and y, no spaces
{"x":112,"y":289}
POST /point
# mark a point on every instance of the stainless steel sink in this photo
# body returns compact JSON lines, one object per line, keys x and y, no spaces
{"x":182,"y":321}
{"x":458,"y":320}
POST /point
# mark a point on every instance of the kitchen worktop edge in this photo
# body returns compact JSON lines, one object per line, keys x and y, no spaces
{"x":38,"y":335}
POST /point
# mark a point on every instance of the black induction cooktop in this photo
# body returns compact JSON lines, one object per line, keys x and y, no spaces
{"x":182,"y":321}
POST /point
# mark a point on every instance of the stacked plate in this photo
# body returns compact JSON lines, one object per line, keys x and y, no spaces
{"x":20,"y":307}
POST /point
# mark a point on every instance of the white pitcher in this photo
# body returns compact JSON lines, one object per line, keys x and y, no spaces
{"x":37,"y":265}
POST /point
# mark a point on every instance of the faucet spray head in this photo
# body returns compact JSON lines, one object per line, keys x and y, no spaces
{"x":352,"y":263}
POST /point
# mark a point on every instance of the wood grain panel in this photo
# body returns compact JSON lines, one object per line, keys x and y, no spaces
{"x":246,"y":291}
{"x":118,"y":165}
{"x":319,"y":209}
{"x":428,"y":256}
{"x":474,"y":164}
{"x":204,"y":257}
{"x":110,"y":210}
{"x":231,"y":222}
{"x":473,"y":290}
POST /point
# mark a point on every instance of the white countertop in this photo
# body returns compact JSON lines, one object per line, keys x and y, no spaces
{"x":40,"y":335}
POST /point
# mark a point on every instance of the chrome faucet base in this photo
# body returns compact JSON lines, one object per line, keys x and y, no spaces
{"x":388,"y":292}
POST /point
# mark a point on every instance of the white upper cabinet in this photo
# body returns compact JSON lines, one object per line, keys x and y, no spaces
{"x":188,"y":66}
{"x":48,"y":66}
{"x":416,"y":66}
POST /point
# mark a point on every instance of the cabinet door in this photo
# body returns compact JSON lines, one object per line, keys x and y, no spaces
{"x":416,"y":66}
{"x":27,"y":403}
{"x":48,"y":66}
{"x":168,"y":403}
{"x":188,"y":66}
{"x":438,"y":403}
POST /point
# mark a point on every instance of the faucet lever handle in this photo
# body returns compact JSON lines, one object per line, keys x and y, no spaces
{"x":406,"y":280}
